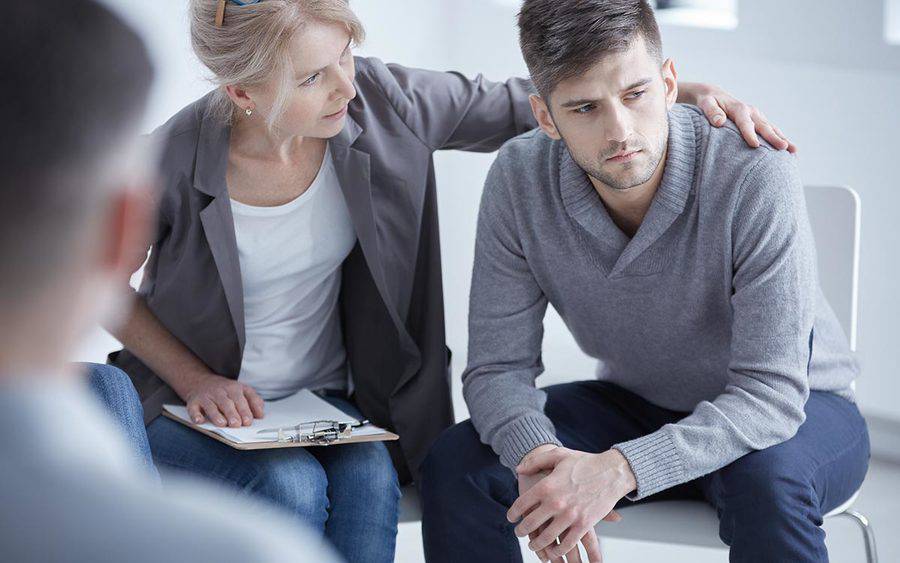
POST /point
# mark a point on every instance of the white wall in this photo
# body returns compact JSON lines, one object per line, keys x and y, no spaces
{"x":818,"y":68}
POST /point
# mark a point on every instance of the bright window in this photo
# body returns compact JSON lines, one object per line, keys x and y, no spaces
{"x":714,"y":14}
{"x":892,"y":21}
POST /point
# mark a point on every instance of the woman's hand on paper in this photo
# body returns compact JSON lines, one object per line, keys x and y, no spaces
{"x":223,"y":402}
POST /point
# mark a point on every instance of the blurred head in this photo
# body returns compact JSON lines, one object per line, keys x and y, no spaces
{"x":74,"y":179}
{"x":604,"y":87}
{"x":289,"y":61}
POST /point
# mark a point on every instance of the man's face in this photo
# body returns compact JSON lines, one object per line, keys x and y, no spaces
{"x":613,"y":118}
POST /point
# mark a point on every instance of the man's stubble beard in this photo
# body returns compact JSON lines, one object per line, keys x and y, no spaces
{"x":595,"y":170}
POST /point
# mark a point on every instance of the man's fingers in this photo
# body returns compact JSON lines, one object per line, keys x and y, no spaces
{"x":532,"y":522}
{"x":613,"y":516}
{"x":522,"y":505}
{"x":257,"y":405}
{"x":573,"y":556}
{"x":568,"y":542}
{"x":194,"y":412}
{"x":540,"y":462}
{"x":212,"y":412}
{"x":592,"y":546}
{"x":548,"y":537}
{"x":714,"y":112}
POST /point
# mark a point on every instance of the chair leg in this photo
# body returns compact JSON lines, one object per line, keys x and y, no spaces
{"x":868,"y":533}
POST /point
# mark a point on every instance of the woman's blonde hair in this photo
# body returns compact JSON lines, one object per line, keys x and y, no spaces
{"x":251,"y":45}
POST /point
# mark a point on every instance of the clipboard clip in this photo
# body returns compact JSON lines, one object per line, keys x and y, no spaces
{"x":319,"y":432}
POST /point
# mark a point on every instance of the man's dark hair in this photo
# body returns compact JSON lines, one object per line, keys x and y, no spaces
{"x":75,"y":81}
{"x":563,"y":38}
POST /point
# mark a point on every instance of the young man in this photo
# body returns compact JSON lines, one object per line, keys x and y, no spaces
{"x":682,"y":260}
{"x":74,"y":211}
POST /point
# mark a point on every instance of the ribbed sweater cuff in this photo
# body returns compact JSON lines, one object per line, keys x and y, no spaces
{"x":523,"y":435}
{"x":654,"y":461}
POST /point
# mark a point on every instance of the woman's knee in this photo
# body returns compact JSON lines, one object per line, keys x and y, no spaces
{"x":114,"y":389}
{"x":295,"y":481}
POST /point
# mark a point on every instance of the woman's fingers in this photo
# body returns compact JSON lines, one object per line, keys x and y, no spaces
{"x":744,"y":121}
{"x":228,"y":409}
{"x":211,"y":410}
{"x":257,"y":405}
{"x":714,"y":112}
{"x":792,"y":148}
{"x":241,"y":405}
{"x":195,"y":413}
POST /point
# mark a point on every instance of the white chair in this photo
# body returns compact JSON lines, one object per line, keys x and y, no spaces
{"x":834,"y":213}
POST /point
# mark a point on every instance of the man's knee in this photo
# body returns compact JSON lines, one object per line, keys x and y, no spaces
{"x":767,"y":488}
{"x":455,"y":458}
{"x":448,"y":451}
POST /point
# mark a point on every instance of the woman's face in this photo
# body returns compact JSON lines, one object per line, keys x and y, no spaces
{"x":321,"y":86}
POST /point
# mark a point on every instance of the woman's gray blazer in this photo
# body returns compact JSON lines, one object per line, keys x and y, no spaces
{"x":391,"y":300}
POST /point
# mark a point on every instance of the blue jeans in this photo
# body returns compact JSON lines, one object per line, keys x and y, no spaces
{"x":349,"y":493}
{"x":770,"y":502}
{"x":114,"y":390}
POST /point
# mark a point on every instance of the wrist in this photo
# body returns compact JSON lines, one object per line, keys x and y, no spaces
{"x":691,"y":92}
{"x":188,"y":381}
{"x":626,"y":480}
{"x":537,"y":450}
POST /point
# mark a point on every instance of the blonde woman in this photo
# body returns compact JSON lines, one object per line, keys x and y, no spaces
{"x":298,"y":248}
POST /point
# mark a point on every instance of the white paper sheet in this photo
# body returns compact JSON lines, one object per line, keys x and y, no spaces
{"x":301,"y":407}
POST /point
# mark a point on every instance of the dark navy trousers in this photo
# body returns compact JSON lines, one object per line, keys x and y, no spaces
{"x":770,"y":502}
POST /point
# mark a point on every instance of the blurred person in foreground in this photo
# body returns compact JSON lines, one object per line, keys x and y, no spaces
{"x":75,"y":206}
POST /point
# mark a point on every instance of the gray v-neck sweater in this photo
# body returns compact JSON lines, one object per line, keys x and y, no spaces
{"x":713,"y":308}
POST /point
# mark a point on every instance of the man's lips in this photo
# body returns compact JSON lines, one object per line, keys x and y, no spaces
{"x":623,"y":156}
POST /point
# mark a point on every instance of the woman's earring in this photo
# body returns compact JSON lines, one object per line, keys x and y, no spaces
{"x":249,"y":112}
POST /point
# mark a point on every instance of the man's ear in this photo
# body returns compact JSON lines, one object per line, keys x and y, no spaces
{"x":543,"y":117}
{"x":670,"y":79}
{"x":128,"y":226}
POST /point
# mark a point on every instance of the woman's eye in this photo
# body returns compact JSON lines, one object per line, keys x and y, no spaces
{"x":311,"y":80}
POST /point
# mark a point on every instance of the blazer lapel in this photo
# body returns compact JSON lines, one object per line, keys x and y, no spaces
{"x":353,"y":169}
{"x":218,"y":223}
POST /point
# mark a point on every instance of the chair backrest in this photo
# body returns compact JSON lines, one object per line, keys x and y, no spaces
{"x":834,"y":213}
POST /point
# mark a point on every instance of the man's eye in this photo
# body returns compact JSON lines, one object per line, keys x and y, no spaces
{"x":636,"y":95}
{"x":584,"y":109}
{"x":311,"y":80}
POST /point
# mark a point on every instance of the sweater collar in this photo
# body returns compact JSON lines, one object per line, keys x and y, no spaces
{"x":584,"y":205}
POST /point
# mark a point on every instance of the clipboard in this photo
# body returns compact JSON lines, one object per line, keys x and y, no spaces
{"x":287,"y":412}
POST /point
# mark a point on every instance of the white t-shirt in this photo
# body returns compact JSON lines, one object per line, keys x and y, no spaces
{"x":291,"y":258}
